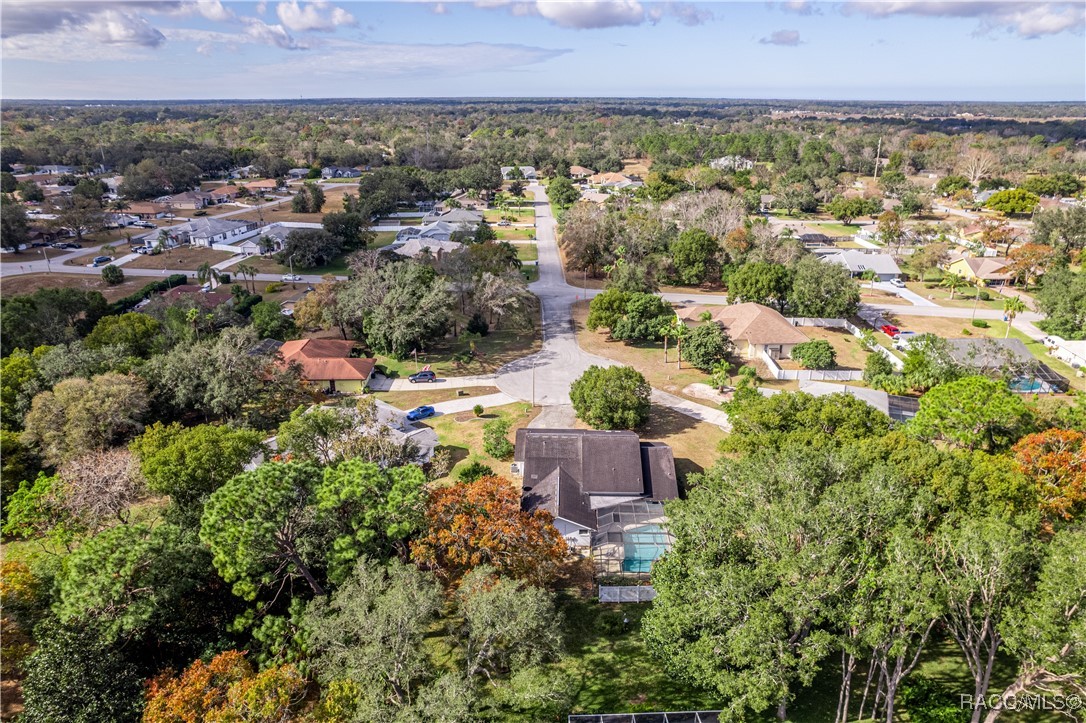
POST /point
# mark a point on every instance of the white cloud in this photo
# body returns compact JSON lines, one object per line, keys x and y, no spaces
{"x":787,"y":38}
{"x":110,"y":21}
{"x":261,"y":32}
{"x":318,"y":15}
{"x":215,"y":10}
{"x":113,"y":27}
{"x":1027,"y":19}
{"x":596,"y":14}
{"x":799,"y":7}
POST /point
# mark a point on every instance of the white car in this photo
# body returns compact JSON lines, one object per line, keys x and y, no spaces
{"x":291,"y":277}
{"x":898,"y":283}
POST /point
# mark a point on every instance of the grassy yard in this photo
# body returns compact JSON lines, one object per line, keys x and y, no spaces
{"x":877,"y":296}
{"x":850,"y":355}
{"x":527,"y":252}
{"x":515,"y":234}
{"x":521,"y":215}
{"x":491,"y":352}
{"x":426,"y":394}
{"x":837,"y":229}
{"x":29,"y":283}
{"x":187,"y":258}
{"x":964,"y":299}
{"x":463,"y":434}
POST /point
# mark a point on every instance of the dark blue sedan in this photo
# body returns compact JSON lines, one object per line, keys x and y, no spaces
{"x":420,"y":413}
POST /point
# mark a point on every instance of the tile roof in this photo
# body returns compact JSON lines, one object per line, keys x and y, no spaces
{"x":326,"y":359}
{"x":749,"y":322}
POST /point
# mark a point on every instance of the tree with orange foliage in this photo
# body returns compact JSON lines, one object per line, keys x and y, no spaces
{"x":482,"y":523}
{"x":1028,"y":261}
{"x":1056,"y":462}
{"x":226,"y":689}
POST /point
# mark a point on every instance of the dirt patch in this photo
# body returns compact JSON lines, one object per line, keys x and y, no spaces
{"x":187,"y":258}
{"x":29,"y":283}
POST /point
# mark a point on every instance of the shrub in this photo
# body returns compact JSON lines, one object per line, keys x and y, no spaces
{"x":478,"y":410}
{"x":876,"y":366}
{"x":980,"y":323}
{"x":611,"y":397}
{"x":112,"y":275}
{"x":495,"y":442}
{"x":477,"y":325}
{"x":984,"y":295}
{"x":818,"y":354}
{"x":273,"y":287}
{"x":439,"y":464}
{"x":473,"y":471}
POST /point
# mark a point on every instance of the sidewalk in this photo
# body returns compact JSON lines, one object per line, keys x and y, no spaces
{"x":454,"y":406}
{"x":692,"y":409}
{"x":384,"y":384}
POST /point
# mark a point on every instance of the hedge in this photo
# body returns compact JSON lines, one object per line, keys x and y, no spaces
{"x":122,"y":305}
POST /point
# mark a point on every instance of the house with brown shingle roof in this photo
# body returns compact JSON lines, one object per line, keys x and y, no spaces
{"x":987,"y":269}
{"x":265,"y":186}
{"x":580,"y":172}
{"x":328,"y":362}
{"x":754,"y":328}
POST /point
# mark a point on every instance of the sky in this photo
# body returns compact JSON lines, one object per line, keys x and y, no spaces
{"x":954,"y":50}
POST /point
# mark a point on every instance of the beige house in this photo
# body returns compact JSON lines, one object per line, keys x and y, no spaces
{"x":754,"y":328}
{"x":989,"y":270}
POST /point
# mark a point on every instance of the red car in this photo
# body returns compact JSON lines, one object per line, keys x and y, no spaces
{"x":890,"y":330}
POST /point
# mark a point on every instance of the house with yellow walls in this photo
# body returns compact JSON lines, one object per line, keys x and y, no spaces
{"x":990,"y":270}
{"x":329,"y":364}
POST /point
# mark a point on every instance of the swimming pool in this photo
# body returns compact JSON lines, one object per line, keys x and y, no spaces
{"x":1026,"y":385}
{"x":643,"y":546}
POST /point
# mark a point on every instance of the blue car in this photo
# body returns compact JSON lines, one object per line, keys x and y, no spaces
{"x":420,"y":413}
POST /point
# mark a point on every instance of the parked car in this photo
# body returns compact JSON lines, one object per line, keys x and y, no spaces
{"x":102,"y":260}
{"x":890,"y":330}
{"x":426,"y":376}
{"x":504,"y":223}
{"x":420,"y":413}
{"x":898,"y":283}
{"x":291,"y":277}
{"x":143,"y":224}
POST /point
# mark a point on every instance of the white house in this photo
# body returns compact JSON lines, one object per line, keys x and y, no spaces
{"x":1069,"y":352}
{"x":527,"y":171}
{"x":860,"y":262}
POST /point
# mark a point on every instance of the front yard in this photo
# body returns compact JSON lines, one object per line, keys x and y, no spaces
{"x":426,"y":394}
{"x":525,"y":214}
{"x":462,"y":434}
{"x":963,"y":299}
{"x":186,"y":258}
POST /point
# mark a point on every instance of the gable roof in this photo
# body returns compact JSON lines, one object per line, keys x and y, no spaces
{"x":560,"y":495}
{"x":749,"y":322}
{"x":226,"y":190}
{"x":857,"y":261}
{"x":580,"y":171}
{"x":608,"y":179}
{"x":266,"y":183}
{"x":987,"y":268}
{"x":455,"y":215}
{"x":326,"y":359}
{"x":415,"y":246}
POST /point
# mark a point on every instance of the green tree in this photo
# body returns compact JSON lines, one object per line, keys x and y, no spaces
{"x":822,"y":290}
{"x":1012,"y":307}
{"x":352,"y":229}
{"x":1062,"y":298}
{"x":1041,"y":632}
{"x":72,"y":676}
{"x":80,"y":215}
{"x":19,"y":380}
{"x":761,"y":283}
{"x":370,"y":634}
{"x":928,"y":363}
{"x":81,"y":415}
{"x":847,"y":210}
{"x":8,"y":184}
{"x":48,"y":316}
{"x":1012,"y":201}
{"x":562,"y":193}
{"x":113,"y":275}
{"x":949,"y":185}
{"x":606,"y":308}
{"x":30,"y":191}
{"x":269,"y":322}
{"x":707,"y":345}
{"x":1063,"y":228}
{"x":258,"y":527}
{"x":372,"y":511}
{"x":495,"y":439}
{"x":405,"y":306}
{"x":1056,"y":185}
{"x":817,"y":354}
{"x":694,"y":255}
{"x":972,"y":413}
{"x":14,"y":226}
{"x":310,"y":247}
{"x":611,"y":397}
{"x":642,"y":318}
{"x":39,"y":509}
{"x":136,"y":333}
{"x":189,"y":463}
{"x":796,"y":418}
{"x":890,"y":229}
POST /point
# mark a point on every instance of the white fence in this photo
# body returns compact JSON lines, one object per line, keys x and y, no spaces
{"x":626,"y":593}
{"x":822,"y":375}
{"x":852,"y":329}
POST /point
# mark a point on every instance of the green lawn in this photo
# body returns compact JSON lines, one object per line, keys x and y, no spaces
{"x":514,"y":234}
{"x":963,"y":299}
{"x":491,"y":351}
{"x":836,"y":229}
{"x":522,"y":215}
{"x":527,"y":252}
{"x":462,"y":434}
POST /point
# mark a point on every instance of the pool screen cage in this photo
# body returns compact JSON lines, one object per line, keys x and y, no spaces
{"x":629,"y":538}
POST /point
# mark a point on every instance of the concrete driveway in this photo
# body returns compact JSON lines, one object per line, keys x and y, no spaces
{"x":911,"y":296}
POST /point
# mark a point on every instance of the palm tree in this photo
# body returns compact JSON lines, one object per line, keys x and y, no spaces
{"x":247,"y":271}
{"x":1012,"y":307}
{"x":677,"y":330}
{"x":954,"y":282}
{"x":108,"y":250}
{"x":205,"y":272}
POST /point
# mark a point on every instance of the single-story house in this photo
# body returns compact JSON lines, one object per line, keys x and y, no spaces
{"x":54,"y":170}
{"x":766,"y":201}
{"x":859,"y":263}
{"x":596,"y":196}
{"x":1009,"y":358}
{"x":580,"y":172}
{"x":437,"y":231}
{"x":241,"y":172}
{"x":899,"y":409}
{"x":268,"y":185}
{"x":146,"y":210}
{"x":754,"y":328}
{"x":223,"y":194}
{"x":455,"y":216}
{"x":981,"y":197}
{"x":815,"y":240}
{"x":189,"y":200}
{"x":415,"y":247}
{"x":528,"y":172}
{"x":575,"y":474}
{"x":339,"y":172}
{"x":329,"y":363}
{"x":1069,"y":352}
{"x":298,"y":173}
{"x":989,"y":270}
{"x":614,"y":181}
{"x":204,"y":232}
{"x":274,"y":236}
